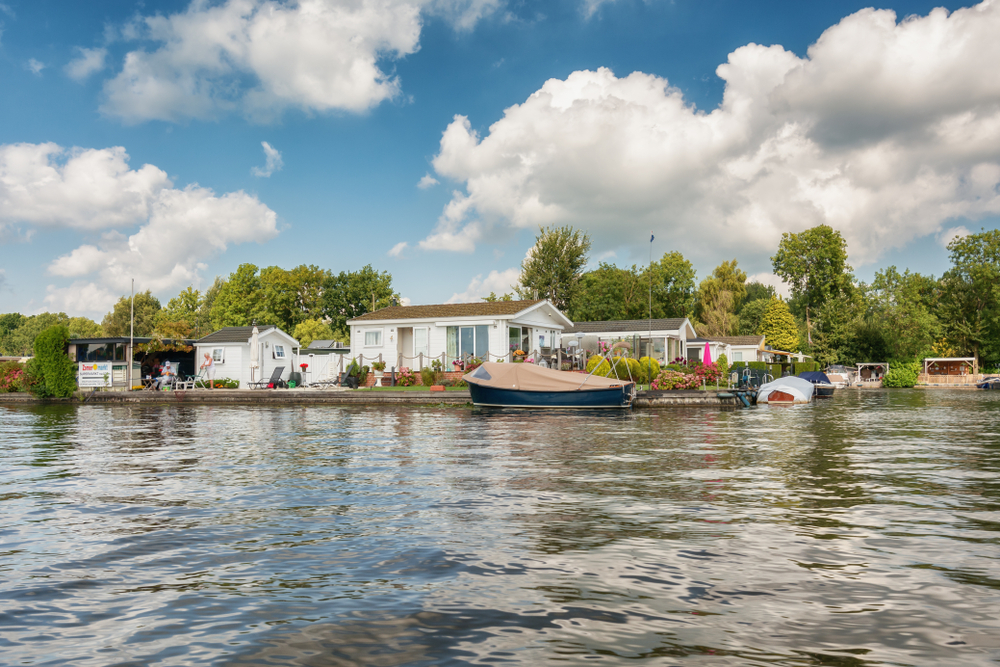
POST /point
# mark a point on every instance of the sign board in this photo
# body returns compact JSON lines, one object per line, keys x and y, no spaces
{"x":93,"y":374}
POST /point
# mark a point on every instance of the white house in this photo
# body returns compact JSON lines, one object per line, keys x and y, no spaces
{"x":230,"y":349}
{"x":736,"y":348}
{"x":408,"y":336}
{"x":669,"y":336}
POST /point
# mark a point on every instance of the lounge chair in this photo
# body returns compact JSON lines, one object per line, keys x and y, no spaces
{"x":275,"y":380}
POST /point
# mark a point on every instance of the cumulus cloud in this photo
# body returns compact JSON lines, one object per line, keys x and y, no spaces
{"x":398,"y":249}
{"x":427,"y":181}
{"x":885,"y":130}
{"x":768,"y":278}
{"x":948,"y":235}
{"x":500,"y":282}
{"x":87,"y":62}
{"x":146,"y":228}
{"x":34,"y":66}
{"x":262,"y":57}
{"x":273,"y":162}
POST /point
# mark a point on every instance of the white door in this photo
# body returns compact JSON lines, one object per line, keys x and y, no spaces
{"x":421,"y":345}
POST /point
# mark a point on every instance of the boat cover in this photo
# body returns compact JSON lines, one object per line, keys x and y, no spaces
{"x":528,"y":377}
{"x":815,"y":376}
{"x":800,"y":390}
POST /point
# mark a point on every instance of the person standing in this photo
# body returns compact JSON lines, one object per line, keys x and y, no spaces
{"x":208,"y":365}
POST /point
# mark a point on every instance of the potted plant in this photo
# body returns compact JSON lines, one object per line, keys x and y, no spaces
{"x":378,"y":369}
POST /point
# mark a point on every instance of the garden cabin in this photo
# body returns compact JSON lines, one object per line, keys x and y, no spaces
{"x":950,"y":371}
{"x":412,"y":336}
{"x":670,"y":336}
{"x":97,"y":357}
{"x":230,"y":350}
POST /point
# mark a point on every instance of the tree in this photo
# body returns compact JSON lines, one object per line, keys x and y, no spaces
{"x":718,"y":316}
{"x":204,"y":318}
{"x":751,"y":315}
{"x":778,"y":327}
{"x":673,"y":286}
{"x":970,"y":299}
{"x":290,"y":297}
{"x":21,"y":341}
{"x":900,"y":305}
{"x":9,"y":323}
{"x":84,"y":327}
{"x":309,"y":330}
{"x":554,"y":265}
{"x":757,"y":290}
{"x":726,"y":277}
{"x":814,"y":264}
{"x":610,"y":293}
{"x":238,"y":302}
{"x":183,"y":311}
{"x":493,"y":297}
{"x":54,"y":373}
{"x":147,"y":308}
{"x":352,"y":294}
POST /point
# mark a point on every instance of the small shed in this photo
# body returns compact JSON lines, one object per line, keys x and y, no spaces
{"x":951,"y":366}
{"x":871,"y":372}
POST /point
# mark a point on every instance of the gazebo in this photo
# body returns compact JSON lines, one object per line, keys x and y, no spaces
{"x":871,"y":373}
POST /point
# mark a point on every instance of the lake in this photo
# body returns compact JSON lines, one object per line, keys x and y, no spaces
{"x":862,"y":530}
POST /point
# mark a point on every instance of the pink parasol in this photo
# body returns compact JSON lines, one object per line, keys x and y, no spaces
{"x":707,"y":357}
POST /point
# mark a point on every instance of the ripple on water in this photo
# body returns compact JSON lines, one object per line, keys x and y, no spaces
{"x":857,"y":531}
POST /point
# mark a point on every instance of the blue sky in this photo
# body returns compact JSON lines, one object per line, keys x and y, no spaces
{"x":612,"y":116}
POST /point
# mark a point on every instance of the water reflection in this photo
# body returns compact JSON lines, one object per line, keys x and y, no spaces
{"x":857,"y":531}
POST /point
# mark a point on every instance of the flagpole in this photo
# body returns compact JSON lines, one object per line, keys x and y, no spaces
{"x":649,"y":352}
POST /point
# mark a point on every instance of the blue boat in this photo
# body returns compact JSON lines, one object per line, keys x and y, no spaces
{"x":989,"y":383}
{"x":528,"y":386}
{"x":824,"y":388}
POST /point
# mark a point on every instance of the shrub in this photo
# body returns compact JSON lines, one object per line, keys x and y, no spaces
{"x":668,"y":379}
{"x":226,"y":383}
{"x":618,"y":368}
{"x":405,"y":377}
{"x":600,"y":363}
{"x":723,"y":363}
{"x":56,"y":374}
{"x":902,"y":375}
{"x":428,"y":376}
{"x":11,"y":376}
{"x":774,"y":370}
{"x":650,"y":369}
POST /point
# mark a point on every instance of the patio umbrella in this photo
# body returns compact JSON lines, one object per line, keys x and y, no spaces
{"x":254,"y":353}
{"x":707,"y":357}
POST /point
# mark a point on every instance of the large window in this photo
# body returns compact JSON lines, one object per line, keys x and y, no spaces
{"x":100,"y":352}
{"x":373,"y":338}
{"x":464,"y":342}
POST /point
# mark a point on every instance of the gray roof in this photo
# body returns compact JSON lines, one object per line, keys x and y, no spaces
{"x":234,"y":334}
{"x":325,"y":344}
{"x":736,"y":340}
{"x":668,"y":324}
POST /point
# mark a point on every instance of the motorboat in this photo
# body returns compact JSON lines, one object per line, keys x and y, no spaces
{"x":840,"y":376}
{"x":824,"y":388}
{"x":509,"y":385}
{"x":989,"y":383}
{"x":786,"y":391}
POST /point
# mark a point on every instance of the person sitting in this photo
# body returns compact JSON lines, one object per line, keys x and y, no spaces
{"x":167,"y":376}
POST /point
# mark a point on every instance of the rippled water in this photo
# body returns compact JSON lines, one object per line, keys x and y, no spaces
{"x":857,"y":531}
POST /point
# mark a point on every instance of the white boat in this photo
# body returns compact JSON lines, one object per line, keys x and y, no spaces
{"x":840,"y":376}
{"x":786,"y":391}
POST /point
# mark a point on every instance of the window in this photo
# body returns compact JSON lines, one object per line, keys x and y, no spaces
{"x":373,"y":338}
{"x":219,"y":355}
{"x":513,"y":338}
{"x":279,"y":351}
{"x":737,"y":356}
{"x":465,"y":342}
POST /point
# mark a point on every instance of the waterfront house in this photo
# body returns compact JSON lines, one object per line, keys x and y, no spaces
{"x":230,"y":350}
{"x":97,"y":357}
{"x":411,"y":336}
{"x":670,"y":336}
{"x":736,"y":348}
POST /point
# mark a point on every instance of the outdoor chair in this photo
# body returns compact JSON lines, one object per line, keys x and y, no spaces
{"x":274,"y":381}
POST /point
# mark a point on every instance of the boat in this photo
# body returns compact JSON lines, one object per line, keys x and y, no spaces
{"x":824,"y":388}
{"x":522,"y":385}
{"x":840,"y":376}
{"x":786,"y":391}
{"x":989,"y":383}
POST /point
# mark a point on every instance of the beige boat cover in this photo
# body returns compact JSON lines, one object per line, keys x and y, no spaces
{"x":528,"y":377}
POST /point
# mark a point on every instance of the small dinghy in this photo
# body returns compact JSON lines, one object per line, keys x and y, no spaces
{"x":529,"y":386}
{"x":824,"y":388}
{"x":786,"y":391}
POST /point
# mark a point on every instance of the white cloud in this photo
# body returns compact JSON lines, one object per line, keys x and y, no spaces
{"x":404,"y":301}
{"x":500,"y":282}
{"x":398,"y":249}
{"x":47,"y":185}
{"x":312,"y":55}
{"x":3,"y":279}
{"x":86,"y":63}
{"x":767,"y":278}
{"x":93,"y":190}
{"x":884,"y":131}
{"x":427,"y":181}
{"x":948,"y":235}
{"x":35,"y":66}
{"x":274,"y":162}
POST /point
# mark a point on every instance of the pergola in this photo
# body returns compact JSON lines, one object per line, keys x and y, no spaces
{"x":948,"y":364}
{"x":873,"y":365}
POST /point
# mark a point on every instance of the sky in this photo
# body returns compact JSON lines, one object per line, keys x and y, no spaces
{"x":170,"y":142}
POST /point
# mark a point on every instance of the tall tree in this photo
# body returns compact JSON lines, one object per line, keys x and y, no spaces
{"x":181,"y":314}
{"x":147,"y":308}
{"x":726,"y":277}
{"x":778,"y":327}
{"x":309,"y":330}
{"x":814,"y":264}
{"x":672,"y":278}
{"x":84,"y":327}
{"x":900,"y":306}
{"x":758,"y":290}
{"x":610,"y":293}
{"x":21,"y":341}
{"x":751,"y":315}
{"x":493,"y":297}
{"x":238,"y":302}
{"x":351,"y":294}
{"x":554,"y":265}
{"x":9,"y":322}
{"x":970,"y":300}
{"x":718,"y":318}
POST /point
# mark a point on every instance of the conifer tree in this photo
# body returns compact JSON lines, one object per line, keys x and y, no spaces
{"x":778,"y":327}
